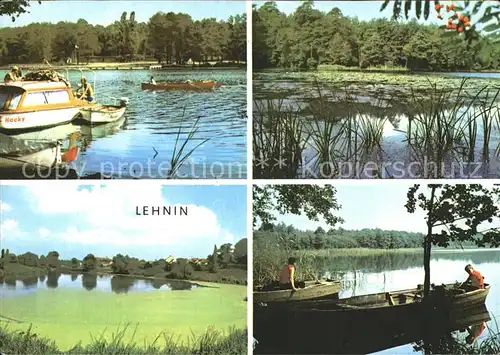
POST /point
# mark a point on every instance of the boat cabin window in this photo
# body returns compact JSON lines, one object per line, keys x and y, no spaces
{"x":52,"y":97}
{"x":57,"y":97}
{"x":9,"y":98}
{"x":35,"y":98}
{"x":14,"y":100}
{"x":3,"y":99}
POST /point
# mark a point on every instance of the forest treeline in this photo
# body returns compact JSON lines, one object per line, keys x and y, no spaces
{"x":309,"y":37}
{"x":295,"y":239}
{"x":338,"y":238}
{"x":173,"y":38}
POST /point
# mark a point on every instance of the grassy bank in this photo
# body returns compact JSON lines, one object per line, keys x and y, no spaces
{"x":212,"y":342}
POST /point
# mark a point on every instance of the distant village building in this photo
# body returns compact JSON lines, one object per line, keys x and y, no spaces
{"x":170,"y":259}
{"x":190,"y":61}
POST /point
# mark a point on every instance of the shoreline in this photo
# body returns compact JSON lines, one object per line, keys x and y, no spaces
{"x":229,"y":276}
{"x":124,"y":66}
{"x":374,"y":70}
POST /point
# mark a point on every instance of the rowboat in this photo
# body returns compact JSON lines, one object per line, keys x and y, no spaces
{"x":400,"y":312}
{"x":189,"y":85}
{"x":102,"y":113}
{"x":312,"y":290}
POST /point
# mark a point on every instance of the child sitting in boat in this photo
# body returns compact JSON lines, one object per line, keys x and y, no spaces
{"x":152,"y":81}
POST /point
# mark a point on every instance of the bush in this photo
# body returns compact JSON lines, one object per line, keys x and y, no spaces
{"x":181,"y":269}
{"x":28,"y":259}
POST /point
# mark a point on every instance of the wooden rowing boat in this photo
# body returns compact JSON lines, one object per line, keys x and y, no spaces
{"x":395,"y":312}
{"x":189,"y":85}
{"x":312,"y":290}
{"x":102,"y":113}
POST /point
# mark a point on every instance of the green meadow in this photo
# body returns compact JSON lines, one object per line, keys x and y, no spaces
{"x":70,"y":316}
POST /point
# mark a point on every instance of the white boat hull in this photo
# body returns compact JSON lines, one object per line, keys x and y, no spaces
{"x":95,"y":115}
{"x":37,"y":119}
{"x":43,"y":158}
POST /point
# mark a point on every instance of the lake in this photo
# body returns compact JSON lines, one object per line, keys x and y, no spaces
{"x":399,"y":270}
{"x":376,"y":125}
{"x":73,"y":308}
{"x":143,"y":143}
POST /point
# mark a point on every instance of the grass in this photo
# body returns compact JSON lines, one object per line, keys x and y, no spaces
{"x":211,"y":342}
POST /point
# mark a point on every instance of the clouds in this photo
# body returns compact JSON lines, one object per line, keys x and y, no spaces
{"x":5,"y":207}
{"x":43,"y":232}
{"x":9,"y":225}
{"x":106,"y":216}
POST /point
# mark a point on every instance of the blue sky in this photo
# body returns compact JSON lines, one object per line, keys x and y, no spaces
{"x":79,"y":219}
{"x":106,"y":12}
{"x":371,"y":205}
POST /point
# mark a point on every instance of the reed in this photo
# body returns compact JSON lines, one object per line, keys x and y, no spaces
{"x":212,"y":342}
{"x":180,"y":152}
{"x":438,"y":131}
{"x":445,"y":126}
{"x":279,"y":140}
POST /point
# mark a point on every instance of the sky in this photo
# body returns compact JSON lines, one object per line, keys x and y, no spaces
{"x":107,"y":12}
{"x":369,"y":206}
{"x":101,"y":219}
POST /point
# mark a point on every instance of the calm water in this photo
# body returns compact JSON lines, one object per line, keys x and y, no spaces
{"x":73,"y":308}
{"x":399,"y":271}
{"x":127,"y":149}
{"x":90,"y":282}
{"x":386,"y":106}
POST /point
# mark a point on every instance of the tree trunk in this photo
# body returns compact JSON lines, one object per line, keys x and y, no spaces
{"x":428,"y":245}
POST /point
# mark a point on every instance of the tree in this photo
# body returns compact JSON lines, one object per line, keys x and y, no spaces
{"x":214,"y":260}
{"x":459,"y":18}
{"x":312,"y":200}
{"x":3,"y":253}
{"x":89,"y":262}
{"x":14,"y":8}
{"x":455,"y":213}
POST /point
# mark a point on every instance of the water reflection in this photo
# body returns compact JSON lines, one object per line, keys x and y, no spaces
{"x":356,"y":334}
{"x":89,"y":281}
{"x":53,"y":279}
{"x":11,"y":283}
{"x":121,"y":284}
{"x":30,"y":282}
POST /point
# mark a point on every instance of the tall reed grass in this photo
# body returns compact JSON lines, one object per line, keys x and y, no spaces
{"x":443,"y":128}
{"x":212,"y":342}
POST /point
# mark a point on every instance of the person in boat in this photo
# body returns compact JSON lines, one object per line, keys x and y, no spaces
{"x":87,"y":93}
{"x":287,"y":275}
{"x":14,"y":75}
{"x":152,"y":80}
{"x":475,"y":279}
